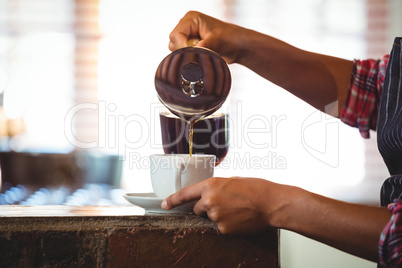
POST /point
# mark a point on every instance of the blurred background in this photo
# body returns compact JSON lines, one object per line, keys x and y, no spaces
{"x":78,"y":75}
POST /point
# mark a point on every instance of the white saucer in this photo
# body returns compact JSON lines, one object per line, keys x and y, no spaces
{"x":152,"y":204}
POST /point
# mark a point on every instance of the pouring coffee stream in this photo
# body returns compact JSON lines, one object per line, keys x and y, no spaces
{"x":192,"y":83}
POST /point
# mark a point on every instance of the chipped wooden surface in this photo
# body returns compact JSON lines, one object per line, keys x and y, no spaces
{"x":64,"y":236}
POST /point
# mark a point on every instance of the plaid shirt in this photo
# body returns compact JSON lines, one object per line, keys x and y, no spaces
{"x":361,"y":110}
{"x":390,"y":248}
{"x":361,"y":106}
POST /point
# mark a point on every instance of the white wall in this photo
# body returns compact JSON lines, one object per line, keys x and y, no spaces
{"x":300,"y":252}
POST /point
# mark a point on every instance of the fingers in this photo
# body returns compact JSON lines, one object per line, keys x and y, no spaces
{"x":187,"y":32}
{"x":185,"y":195}
{"x":200,"y":208}
{"x":186,"y":28}
{"x":177,"y":40}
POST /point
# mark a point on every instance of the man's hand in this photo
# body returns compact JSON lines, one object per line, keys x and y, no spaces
{"x":221,"y":37}
{"x":236,"y":205}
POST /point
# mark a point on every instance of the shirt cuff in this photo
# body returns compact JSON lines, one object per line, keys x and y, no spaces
{"x":390,"y":245}
{"x":361,"y":106}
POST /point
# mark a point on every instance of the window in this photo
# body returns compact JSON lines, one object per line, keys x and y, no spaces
{"x":36,"y":70}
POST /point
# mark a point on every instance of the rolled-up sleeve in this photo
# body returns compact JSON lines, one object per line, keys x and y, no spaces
{"x":361,"y":106}
{"x":390,"y":246}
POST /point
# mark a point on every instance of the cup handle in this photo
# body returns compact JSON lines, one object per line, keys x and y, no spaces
{"x":178,"y":184}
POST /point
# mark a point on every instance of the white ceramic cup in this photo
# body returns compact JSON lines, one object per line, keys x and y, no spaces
{"x":172,"y":172}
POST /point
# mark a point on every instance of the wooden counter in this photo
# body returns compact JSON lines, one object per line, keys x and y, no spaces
{"x":123,"y":236}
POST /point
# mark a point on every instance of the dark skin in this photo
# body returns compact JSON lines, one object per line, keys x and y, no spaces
{"x":250,"y":205}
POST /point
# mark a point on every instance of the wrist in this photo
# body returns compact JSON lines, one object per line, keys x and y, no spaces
{"x":289,"y":206}
{"x":259,"y":52}
{"x":247,"y":46}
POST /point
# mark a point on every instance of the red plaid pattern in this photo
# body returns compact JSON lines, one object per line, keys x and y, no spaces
{"x":390,"y":248}
{"x":361,"y":106}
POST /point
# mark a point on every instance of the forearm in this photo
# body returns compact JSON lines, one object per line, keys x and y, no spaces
{"x":317,"y":79}
{"x":349,"y":227}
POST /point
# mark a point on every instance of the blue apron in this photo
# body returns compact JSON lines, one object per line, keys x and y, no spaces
{"x":389,"y":126}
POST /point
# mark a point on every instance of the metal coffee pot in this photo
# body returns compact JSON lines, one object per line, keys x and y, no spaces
{"x":193,"y":82}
